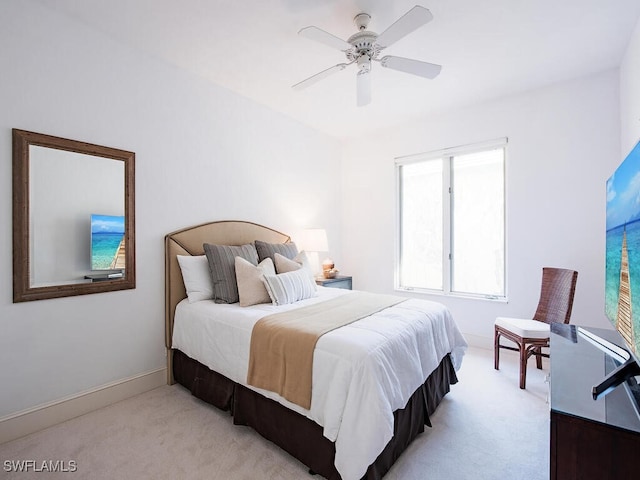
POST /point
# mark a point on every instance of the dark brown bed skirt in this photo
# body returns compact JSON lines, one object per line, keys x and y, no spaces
{"x":300,"y":436}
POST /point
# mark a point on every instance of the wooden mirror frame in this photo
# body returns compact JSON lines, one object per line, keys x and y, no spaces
{"x":22,"y":289}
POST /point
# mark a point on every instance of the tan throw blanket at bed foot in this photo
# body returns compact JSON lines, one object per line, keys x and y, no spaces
{"x":282,"y":344}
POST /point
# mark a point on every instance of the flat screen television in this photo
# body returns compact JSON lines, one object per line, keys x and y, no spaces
{"x":107,"y":242}
{"x":622,"y":277}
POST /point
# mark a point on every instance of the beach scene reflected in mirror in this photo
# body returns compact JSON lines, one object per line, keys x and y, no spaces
{"x":107,"y":242}
{"x":67,"y":188}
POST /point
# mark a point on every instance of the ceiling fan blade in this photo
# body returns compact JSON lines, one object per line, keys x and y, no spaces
{"x":319,"y":35}
{"x":363,"y":87}
{"x":414,"y":18}
{"x":408,"y":65}
{"x":319,"y":76}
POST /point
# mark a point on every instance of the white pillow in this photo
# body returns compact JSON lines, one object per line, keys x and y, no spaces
{"x":249,"y":278}
{"x":284,"y":264}
{"x":289,"y":287}
{"x":196,"y":277}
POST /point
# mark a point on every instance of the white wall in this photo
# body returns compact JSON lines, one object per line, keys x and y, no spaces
{"x":630,"y":93}
{"x":563,"y":145}
{"x":202,"y":154}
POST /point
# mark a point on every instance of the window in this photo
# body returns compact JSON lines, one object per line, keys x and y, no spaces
{"x":451,"y":228}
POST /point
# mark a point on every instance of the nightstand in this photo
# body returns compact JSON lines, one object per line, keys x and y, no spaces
{"x":341,"y":281}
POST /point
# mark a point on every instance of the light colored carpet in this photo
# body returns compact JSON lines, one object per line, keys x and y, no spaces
{"x":485,"y":428}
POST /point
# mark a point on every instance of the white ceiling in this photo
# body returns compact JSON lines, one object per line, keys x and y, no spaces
{"x":488,"y":49}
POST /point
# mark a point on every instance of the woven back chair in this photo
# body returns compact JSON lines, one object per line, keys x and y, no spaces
{"x":532,"y":335}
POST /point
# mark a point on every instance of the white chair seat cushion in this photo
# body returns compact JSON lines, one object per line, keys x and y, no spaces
{"x":525,"y":328}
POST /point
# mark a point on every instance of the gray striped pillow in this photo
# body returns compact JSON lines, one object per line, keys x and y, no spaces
{"x":289,"y":287}
{"x":223,"y":271}
{"x":268,"y":250}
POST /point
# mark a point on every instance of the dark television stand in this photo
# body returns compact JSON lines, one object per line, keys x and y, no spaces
{"x":591,"y":438}
{"x":104,"y":277}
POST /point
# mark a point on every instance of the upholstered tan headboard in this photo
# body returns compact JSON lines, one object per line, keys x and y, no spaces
{"x":189,"y":241}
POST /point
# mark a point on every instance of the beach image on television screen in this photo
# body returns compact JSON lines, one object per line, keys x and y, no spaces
{"x":107,"y":242}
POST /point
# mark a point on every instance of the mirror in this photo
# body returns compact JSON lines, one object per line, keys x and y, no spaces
{"x":73,"y":217}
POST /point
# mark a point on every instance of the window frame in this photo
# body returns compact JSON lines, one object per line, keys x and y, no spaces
{"x":446,"y":155}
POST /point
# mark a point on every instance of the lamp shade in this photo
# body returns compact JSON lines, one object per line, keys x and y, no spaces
{"x":314,"y":240}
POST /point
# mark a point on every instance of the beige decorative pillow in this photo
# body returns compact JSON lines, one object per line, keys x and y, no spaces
{"x":285,"y":265}
{"x":251,"y":289}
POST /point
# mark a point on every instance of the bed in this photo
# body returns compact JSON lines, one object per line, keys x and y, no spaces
{"x":344,"y":434}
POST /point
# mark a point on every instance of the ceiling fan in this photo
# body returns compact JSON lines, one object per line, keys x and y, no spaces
{"x":365,"y":46}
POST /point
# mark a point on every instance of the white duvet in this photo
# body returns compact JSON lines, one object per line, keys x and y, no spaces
{"x":362,"y":372}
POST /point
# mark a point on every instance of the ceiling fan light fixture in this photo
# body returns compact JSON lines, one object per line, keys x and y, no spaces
{"x":364,"y":63}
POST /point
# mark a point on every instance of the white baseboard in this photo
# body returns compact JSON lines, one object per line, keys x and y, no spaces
{"x":43,"y":416}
